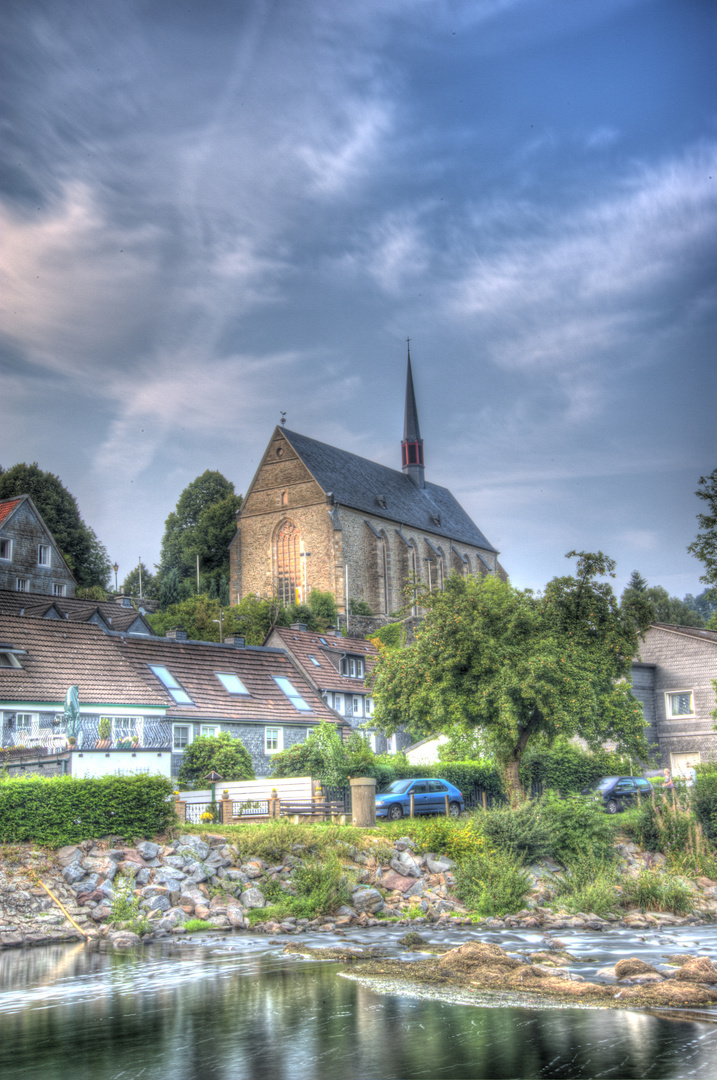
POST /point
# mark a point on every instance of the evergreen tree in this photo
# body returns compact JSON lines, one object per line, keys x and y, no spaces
{"x":150,"y":587}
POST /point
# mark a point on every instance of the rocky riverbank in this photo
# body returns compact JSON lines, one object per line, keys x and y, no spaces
{"x":69,"y":894}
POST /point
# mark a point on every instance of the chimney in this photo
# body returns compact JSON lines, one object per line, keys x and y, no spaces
{"x":299,"y":626}
{"x":237,"y":640}
{"x":176,"y":633}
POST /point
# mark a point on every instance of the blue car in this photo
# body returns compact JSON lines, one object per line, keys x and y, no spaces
{"x":429,"y":797}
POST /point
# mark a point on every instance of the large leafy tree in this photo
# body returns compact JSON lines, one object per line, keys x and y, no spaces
{"x":83,"y":552}
{"x":514,"y":666}
{"x":657,"y":603}
{"x":150,"y":588}
{"x":704,"y":546}
{"x":202,"y":524}
{"x":222,"y":753}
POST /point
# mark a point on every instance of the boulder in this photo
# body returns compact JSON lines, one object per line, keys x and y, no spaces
{"x":252,"y":898}
{"x":73,"y":873}
{"x":439,"y":864}
{"x":394,"y":880}
{"x":367,"y":901}
{"x":148,"y":850}
{"x":699,"y":969}
{"x":193,"y":847}
{"x":103,"y":867}
{"x":69,"y":854}
{"x":406,"y":866}
{"x":632,"y":967}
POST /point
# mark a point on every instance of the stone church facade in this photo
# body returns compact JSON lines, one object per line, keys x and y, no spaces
{"x":316,"y":517}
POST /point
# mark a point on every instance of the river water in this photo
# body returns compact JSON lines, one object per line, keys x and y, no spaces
{"x":235,"y":1007}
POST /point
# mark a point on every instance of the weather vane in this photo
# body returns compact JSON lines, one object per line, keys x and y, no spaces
{"x":283,"y":419}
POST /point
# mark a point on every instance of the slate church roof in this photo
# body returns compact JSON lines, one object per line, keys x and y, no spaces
{"x":365,"y":485}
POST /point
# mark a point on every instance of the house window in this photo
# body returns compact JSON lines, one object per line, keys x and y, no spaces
{"x":288,"y":549}
{"x":357,"y":710}
{"x":43,"y":555}
{"x":370,"y":738}
{"x":273,"y":740}
{"x":209,"y":731}
{"x":5,"y":549}
{"x":167,"y":679}
{"x":391,"y":744}
{"x":292,"y":693}
{"x":231,"y":683}
{"x":58,"y":590}
{"x":679,"y":703}
{"x":126,"y":729}
{"x":181,"y":737}
{"x":22,"y":584}
{"x":339,"y":703}
{"x":26,"y":727}
{"x":368,"y":706}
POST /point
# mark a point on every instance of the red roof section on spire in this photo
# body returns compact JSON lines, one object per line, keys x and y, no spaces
{"x":7,"y":506}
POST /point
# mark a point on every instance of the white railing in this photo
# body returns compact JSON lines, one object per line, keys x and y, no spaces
{"x":290,"y":789}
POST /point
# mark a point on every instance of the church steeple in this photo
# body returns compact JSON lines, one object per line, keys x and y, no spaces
{"x":412,"y":444}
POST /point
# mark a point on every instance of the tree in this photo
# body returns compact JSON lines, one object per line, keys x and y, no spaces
{"x":222,"y":753}
{"x":202,"y":524}
{"x":83,"y":552}
{"x":704,"y":546}
{"x":325,"y":757}
{"x":656,"y":604}
{"x":150,"y":587}
{"x":705,"y":604}
{"x":511,"y":666}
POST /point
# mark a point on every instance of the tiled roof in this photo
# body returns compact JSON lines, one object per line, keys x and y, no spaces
{"x":327,"y":650}
{"x":61,"y":654}
{"x":7,"y":506}
{"x":36,"y":605}
{"x":195,"y":665}
{"x":359,"y":483}
{"x":688,"y":631}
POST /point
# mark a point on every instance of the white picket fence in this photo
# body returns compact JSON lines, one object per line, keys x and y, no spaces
{"x":289,"y":789}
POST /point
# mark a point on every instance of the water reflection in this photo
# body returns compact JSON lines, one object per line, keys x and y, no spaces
{"x":246,"y":1012}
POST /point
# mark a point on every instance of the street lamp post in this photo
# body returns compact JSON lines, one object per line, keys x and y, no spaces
{"x":116,"y":568}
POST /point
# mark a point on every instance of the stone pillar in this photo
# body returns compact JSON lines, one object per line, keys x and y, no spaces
{"x":275,"y":808}
{"x":363,"y":802}
{"x":227,"y":808}
{"x":180,"y":809}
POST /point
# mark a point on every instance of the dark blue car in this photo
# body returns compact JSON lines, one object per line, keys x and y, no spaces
{"x":429,"y":797}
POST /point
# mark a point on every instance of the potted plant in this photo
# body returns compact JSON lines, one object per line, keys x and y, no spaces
{"x":72,"y":742}
{"x":105,"y":730}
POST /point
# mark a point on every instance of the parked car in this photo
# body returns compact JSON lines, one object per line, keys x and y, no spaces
{"x":429,"y":797}
{"x":619,"y":792}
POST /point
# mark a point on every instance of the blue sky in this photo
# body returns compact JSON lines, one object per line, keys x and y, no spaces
{"x":216,"y":211}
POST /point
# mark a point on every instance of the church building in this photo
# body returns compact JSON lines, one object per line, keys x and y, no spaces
{"x":316,"y":517}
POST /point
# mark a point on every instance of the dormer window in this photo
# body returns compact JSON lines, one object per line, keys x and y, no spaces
{"x":352,"y":666}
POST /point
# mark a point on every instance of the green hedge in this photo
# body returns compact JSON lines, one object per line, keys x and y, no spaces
{"x":566,"y":767}
{"x":65,"y":810}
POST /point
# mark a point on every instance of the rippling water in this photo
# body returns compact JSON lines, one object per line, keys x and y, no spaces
{"x":237,"y":1008}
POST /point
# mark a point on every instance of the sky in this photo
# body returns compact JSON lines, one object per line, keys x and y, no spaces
{"x":215,"y":211}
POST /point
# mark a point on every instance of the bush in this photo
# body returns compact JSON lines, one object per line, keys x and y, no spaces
{"x":664,"y":823}
{"x":656,"y":891}
{"x":225,"y":754}
{"x":65,"y":809}
{"x":491,"y":882}
{"x":704,"y":798}
{"x":526,"y":833}
{"x":589,"y":885}
{"x":319,"y":888}
{"x":579,"y":827}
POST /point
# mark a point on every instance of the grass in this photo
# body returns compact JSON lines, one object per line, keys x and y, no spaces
{"x":319,"y":888}
{"x":193,"y":926}
{"x":126,"y":913}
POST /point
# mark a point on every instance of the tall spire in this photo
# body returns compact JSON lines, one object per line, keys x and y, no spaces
{"x":412,"y":444}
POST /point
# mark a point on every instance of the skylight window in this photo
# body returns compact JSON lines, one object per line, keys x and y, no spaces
{"x":231,"y":683}
{"x":323,"y":641}
{"x":292,"y":693}
{"x":180,"y":696}
{"x":314,"y":661}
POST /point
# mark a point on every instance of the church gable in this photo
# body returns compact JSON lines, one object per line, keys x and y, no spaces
{"x":282,"y":482}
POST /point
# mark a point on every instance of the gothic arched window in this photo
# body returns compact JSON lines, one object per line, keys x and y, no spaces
{"x":288,"y":569}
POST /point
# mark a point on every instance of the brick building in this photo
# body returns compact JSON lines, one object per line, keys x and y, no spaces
{"x":674,"y":680}
{"x":316,"y":517}
{"x":30,"y":560}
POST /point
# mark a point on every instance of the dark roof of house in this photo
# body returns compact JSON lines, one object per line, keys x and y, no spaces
{"x":327,"y":651}
{"x":688,"y":631}
{"x":195,"y":664}
{"x":38,"y":605}
{"x":365,"y":485}
{"x":57,"y":655}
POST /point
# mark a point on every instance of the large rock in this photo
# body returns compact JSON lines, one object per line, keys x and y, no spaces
{"x":73,"y":873}
{"x":157,"y":903}
{"x":367,"y":900}
{"x":103,"y":867}
{"x":193,"y":847}
{"x":252,"y":898}
{"x":69,"y":854}
{"x":405,"y":865}
{"x":148,"y":850}
{"x":700,"y":969}
{"x":400,"y":882}
{"x":631,"y":967}
{"x":439,"y":864}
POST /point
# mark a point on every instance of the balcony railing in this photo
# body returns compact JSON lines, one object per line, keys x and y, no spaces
{"x":53,"y":738}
